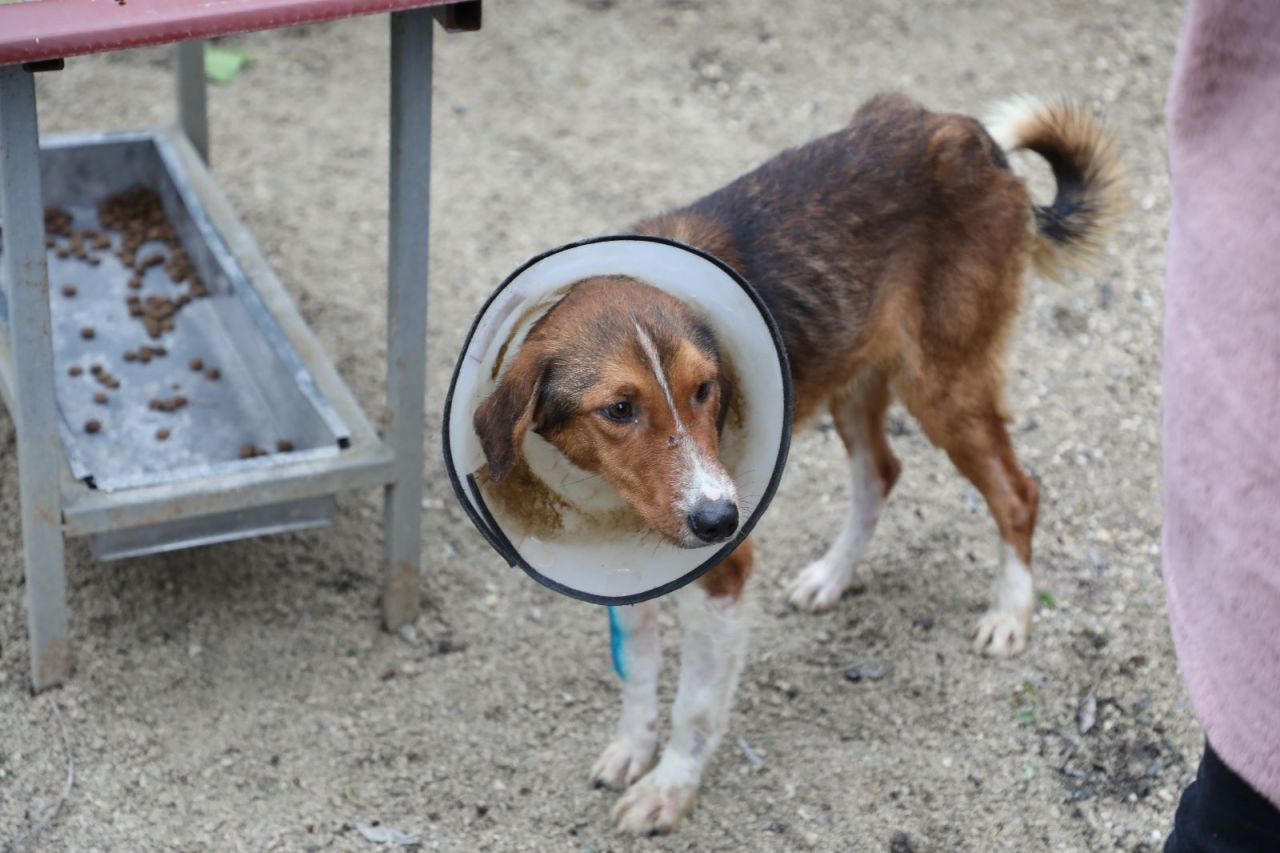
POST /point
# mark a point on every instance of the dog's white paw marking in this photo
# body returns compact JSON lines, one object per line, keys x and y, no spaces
{"x":1004,"y":629}
{"x":819,"y":586}
{"x":652,"y":806}
{"x":622,"y":762}
{"x":1001,"y":634}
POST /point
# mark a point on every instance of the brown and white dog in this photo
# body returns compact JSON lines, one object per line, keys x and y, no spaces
{"x":891,"y":255}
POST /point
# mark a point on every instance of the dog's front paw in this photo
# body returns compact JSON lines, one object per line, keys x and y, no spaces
{"x":819,"y":586}
{"x":654,"y":805}
{"x":623,"y":762}
{"x":1001,"y":633}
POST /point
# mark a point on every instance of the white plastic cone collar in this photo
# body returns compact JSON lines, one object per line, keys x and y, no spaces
{"x":612,"y":565}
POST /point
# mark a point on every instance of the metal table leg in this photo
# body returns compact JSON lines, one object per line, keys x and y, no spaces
{"x":35,"y":414}
{"x":411,"y":34}
{"x":193,"y":111}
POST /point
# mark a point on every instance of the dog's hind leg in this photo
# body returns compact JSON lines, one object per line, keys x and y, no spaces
{"x":637,"y":658}
{"x":969,"y":425}
{"x":713,"y":647}
{"x":859,"y":416}
{"x":986,"y":457}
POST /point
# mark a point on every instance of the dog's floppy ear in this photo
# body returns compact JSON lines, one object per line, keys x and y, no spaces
{"x":504,"y":417}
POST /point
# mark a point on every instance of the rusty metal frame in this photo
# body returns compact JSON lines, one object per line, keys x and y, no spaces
{"x":30,"y":391}
{"x":55,"y":504}
{"x":193,"y":95}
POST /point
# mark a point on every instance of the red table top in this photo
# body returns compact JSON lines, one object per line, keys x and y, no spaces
{"x":32,"y":30}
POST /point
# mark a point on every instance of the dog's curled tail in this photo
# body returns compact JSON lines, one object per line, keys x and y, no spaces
{"x":1085,"y":166}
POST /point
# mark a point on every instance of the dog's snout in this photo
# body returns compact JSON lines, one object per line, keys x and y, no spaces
{"x":714,"y":521}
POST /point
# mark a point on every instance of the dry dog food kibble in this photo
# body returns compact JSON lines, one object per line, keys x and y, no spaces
{"x":172,"y":404}
{"x":57,"y":222}
{"x":104,"y":378}
{"x":146,"y":238}
{"x":284,"y":445}
{"x":140,"y":216}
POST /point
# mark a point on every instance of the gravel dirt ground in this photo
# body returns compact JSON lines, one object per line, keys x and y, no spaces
{"x":243,"y":697}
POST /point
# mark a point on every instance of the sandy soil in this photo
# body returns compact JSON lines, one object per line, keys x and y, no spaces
{"x":243,"y":696}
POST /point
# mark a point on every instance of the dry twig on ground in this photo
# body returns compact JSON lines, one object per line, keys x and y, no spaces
{"x":50,"y":811}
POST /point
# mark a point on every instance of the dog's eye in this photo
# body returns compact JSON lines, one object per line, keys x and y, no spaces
{"x":704,"y":391}
{"x":620,"y":411}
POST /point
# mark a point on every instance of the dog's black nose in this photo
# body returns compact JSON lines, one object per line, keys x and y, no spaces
{"x":714,"y":521}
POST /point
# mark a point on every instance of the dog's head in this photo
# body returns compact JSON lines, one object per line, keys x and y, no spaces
{"x":629,"y":384}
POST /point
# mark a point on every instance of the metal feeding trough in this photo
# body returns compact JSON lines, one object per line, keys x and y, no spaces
{"x":219,"y":391}
{"x":156,"y":450}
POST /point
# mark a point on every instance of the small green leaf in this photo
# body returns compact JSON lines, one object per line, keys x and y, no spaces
{"x":1045,"y":599}
{"x":222,"y":64}
{"x":1026,"y":716}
